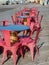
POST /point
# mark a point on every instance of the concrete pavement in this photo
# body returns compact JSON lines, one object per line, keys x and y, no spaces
{"x":43,"y":43}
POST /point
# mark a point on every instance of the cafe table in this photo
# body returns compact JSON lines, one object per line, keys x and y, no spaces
{"x":26,"y":13}
{"x":25,"y":16}
{"x":13,"y":30}
{"x":7,"y":46}
{"x":14,"y":27}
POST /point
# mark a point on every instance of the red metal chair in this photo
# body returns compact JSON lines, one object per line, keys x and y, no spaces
{"x":2,"y":43}
{"x":15,"y":19}
{"x":35,"y":26}
{"x":28,"y":41}
{"x":34,"y":12}
{"x":31,"y":43}
{"x":8,"y":46}
{"x":37,"y":19}
{"x":34,"y":23}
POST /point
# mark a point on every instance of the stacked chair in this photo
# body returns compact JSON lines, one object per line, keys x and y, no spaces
{"x":28,"y":41}
{"x":35,"y":25}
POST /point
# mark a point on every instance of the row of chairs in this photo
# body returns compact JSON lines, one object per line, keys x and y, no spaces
{"x":27,"y":41}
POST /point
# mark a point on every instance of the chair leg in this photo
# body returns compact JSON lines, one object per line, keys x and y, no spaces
{"x":21,"y":52}
{"x":37,"y":50}
{"x":32,"y":52}
{"x":4,"y":54}
{"x":24,"y":32}
{"x":14,"y":57}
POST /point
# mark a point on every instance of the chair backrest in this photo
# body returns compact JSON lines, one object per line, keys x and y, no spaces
{"x":25,"y":9}
{"x":5,"y":22}
{"x":12,"y":19}
{"x":6,"y":35}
